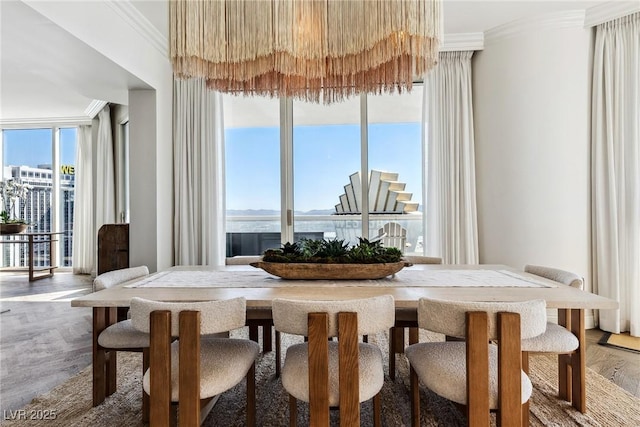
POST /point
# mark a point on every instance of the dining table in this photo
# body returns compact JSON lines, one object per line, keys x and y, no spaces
{"x":481,"y":282}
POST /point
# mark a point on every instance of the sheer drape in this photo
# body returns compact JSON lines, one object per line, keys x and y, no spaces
{"x":83,"y":231}
{"x":452,"y":231}
{"x":105,"y":172}
{"x":198,"y":174}
{"x":616,"y":171}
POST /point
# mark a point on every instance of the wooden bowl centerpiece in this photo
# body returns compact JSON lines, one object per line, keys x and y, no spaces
{"x":331,"y":260}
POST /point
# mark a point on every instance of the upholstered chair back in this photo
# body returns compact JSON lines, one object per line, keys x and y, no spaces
{"x":557,"y":275}
{"x":374,"y":314}
{"x":117,"y":277}
{"x":242,"y":259}
{"x":418,"y":259}
{"x":449,"y":317}
{"x":215,"y":316}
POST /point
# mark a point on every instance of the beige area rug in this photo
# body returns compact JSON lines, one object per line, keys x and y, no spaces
{"x":608,"y":404}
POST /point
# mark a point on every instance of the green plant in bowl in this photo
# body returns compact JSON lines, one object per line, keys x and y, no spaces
{"x":334,"y":251}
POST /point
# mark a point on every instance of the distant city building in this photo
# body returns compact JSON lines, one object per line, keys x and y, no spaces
{"x":35,"y":209}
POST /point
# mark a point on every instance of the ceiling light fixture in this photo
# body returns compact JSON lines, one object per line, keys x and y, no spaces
{"x":312,"y":50}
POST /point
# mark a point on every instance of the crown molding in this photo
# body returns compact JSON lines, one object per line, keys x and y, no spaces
{"x":565,"y":19}
{"x":44,"y":121}
{"x":141,"y":24}
{"x":462,"y":41}
{"x":94,"y":108}
{"x":608,"y":11}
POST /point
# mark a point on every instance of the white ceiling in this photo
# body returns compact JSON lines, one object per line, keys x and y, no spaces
{"x":47,"y":73}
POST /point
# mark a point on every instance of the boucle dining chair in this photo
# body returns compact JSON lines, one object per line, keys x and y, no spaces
{"x":477,"y":373}
{"x":194,"y":368}
{"x":557,"y":339}
{"x":328,"y":373}
{"x":122,"y":336}
{"x":397,"y":333}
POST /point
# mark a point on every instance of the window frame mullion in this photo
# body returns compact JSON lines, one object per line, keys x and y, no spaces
{"x":364,"y":164}
{"x":286,"y":170}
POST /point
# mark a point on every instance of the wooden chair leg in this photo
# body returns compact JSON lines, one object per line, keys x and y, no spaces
{"x":251,"y":396}
{"x":525,"y":406}
{"x":173,"y":415}
{"x":318,"y":369}
{"x":189,"y":375}
{"x":377,"y":411}
{"x":509,"y":368}
{"x":349,"y":381}
{"x":477,"y":369}
{"x":415,"y":397}
{"x":160,"y":369}
{"x":145,"y":396}
{"x":392,"y":355}
{"x":293,"y":411}
{"x":278,"y":354}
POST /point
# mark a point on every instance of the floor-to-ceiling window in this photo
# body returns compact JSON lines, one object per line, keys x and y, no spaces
{"x":293,"y":170}
{"x":326,"y":152}
{"x":43,"y":160}
{"x":395,"y":151}
{"x":252,"y":174}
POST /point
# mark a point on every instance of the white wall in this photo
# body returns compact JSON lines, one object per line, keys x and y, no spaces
{"x":114,"y":29}
{"x":531,"y":110}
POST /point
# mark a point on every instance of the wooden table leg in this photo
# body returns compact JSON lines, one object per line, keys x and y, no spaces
{"x":266,"y":338}
{"x":111,"y":360}
{"x":104,"y":367}
{"x":564,"y":360}
{"x":578,"y":362}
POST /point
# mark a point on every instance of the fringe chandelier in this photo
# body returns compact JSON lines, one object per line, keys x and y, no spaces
{"x":309,"y":50}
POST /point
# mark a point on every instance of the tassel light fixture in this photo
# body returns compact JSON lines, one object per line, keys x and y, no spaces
{"x":311,"y":50}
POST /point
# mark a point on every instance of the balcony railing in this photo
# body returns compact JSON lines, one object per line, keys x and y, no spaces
{"x":252,"y":234}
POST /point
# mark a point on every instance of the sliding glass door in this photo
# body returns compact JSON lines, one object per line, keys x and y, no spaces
{"x":326,"y":156}
{"x":301,"y":170}
{"x":252,"y":174}
{"x":395,"y":154}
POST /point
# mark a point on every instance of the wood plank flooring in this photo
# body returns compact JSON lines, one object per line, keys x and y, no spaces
{"x":44,"y":341}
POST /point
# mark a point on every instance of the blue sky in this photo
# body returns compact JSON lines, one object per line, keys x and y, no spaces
{"x":324,"y":157}
{"x":32,"y":147}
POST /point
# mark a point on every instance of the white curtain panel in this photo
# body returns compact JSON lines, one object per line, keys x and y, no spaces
{"x":105,"y":172}
{"x":199,"y":224}
{"x":451,"y":216}
{"x":615,"y":141}
{"x":83,"y":231}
